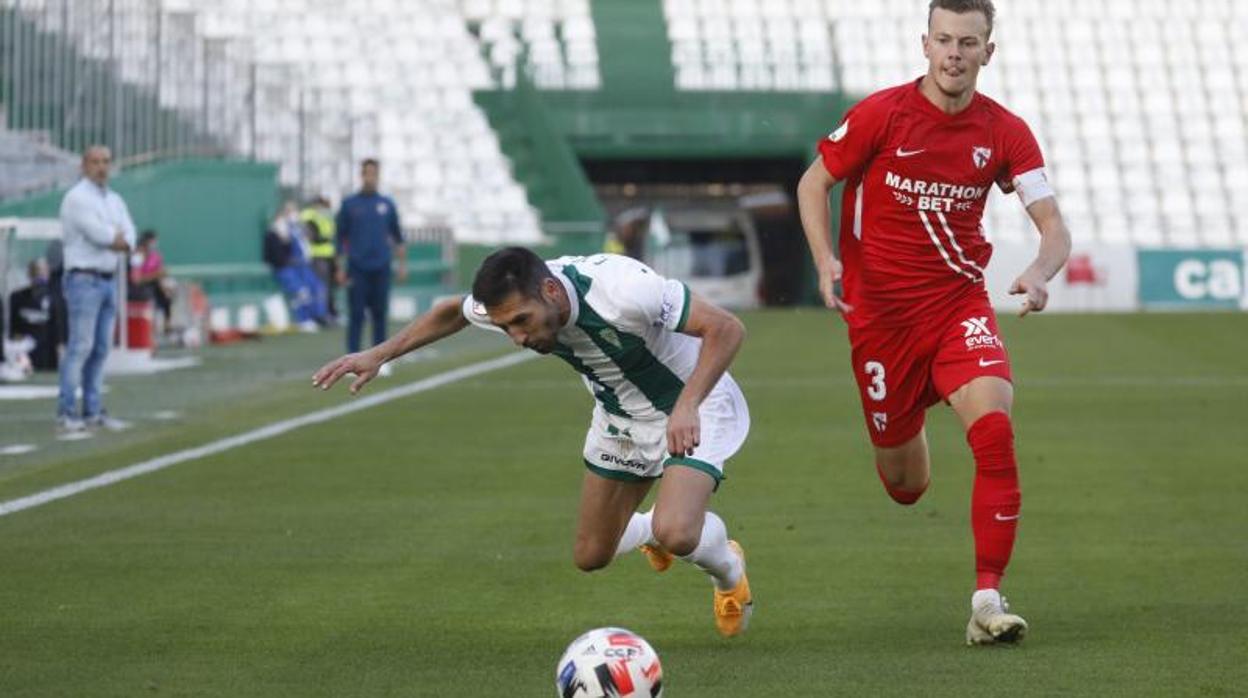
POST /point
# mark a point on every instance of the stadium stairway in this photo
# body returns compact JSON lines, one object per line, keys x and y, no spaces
{"x":633,"y":47}
{"x":633,"y":60}
{"x":542,"y":159}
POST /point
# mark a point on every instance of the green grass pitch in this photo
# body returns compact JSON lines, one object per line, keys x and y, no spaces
{"x":423,"y":548}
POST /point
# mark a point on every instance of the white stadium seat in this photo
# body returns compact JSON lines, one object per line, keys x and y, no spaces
{"x":1123,"y":122}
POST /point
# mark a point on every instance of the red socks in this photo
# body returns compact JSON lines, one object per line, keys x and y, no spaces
{"x":995,"y":499}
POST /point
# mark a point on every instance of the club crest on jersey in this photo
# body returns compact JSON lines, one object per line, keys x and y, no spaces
{"x":839,"y":133}
{"x":609,"y":336}
{"x":981,"y":155}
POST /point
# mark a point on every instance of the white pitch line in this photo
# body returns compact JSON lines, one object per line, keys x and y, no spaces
{"x":113,"y":477}
{"x":18,"y":449}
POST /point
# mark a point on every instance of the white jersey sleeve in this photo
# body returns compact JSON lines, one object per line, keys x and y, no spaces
{"x":664,"y":303}
{"x":643,"y":299}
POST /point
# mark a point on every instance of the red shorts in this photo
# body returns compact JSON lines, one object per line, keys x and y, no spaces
{"x":901,"y":371}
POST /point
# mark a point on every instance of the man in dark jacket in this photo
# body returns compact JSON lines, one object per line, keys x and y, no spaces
{"x":368,"y":235}
{"x":33,"y":314}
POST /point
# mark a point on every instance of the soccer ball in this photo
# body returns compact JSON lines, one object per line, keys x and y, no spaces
{"x":609,"y":663}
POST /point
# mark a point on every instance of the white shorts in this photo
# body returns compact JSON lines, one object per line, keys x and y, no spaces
{"x":626,"y":449}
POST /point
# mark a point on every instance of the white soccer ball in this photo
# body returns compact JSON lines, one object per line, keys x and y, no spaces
{"x":609,"y":663}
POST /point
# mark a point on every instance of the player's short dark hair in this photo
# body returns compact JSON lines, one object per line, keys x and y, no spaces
{"x":962,"y":7}
{"x":507,"y":271}
{"x":370,"y":161}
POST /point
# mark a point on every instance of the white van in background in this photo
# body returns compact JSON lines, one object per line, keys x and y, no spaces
{"x":716,"y":252}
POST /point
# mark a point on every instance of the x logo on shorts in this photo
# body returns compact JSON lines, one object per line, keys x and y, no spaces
{"x":976,"y":326}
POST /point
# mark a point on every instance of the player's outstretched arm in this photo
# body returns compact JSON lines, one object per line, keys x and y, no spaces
{"x":1054,"y":250}
{"x":443,"y":320}
{"x":721,"y":334}
{"x":812,"y":202}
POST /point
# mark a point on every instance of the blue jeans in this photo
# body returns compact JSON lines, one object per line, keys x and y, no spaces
{"x":369,"y":289}
{"x":92,"y":306}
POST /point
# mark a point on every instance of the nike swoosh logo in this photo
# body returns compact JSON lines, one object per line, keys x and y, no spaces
{"x":907,"y":153}
{"x":1006,"y":518}
{"x":986,"y":364}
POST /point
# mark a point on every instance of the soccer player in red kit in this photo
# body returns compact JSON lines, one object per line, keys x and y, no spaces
{"x":917,"y":161}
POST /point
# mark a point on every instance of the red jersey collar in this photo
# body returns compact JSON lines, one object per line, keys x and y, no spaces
{"x":916,"y":95}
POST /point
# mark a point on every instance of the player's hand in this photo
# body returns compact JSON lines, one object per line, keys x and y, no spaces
{"x":401,"y":276}
{"x":830,"y":273}
{"x":684,"y":430}
{"x":340,"y":277}
{"x":1035,"y":288}
{"x":363,"y":365}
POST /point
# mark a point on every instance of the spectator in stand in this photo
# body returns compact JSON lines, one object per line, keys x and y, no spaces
{"x":318,"y":217}
{"x":32,"y":314}
{"x":628,"y":232}
{"x":148,"y":278}
{"x":286,"y":252}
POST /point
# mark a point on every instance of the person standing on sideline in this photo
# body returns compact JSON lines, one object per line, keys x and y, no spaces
{"x":98,"y":232}
{"x":366,"y":239}
{"x":319,"y":218}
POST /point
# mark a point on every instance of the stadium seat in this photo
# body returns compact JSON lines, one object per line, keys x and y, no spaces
{"x":1142,"y":123}
{"x":1131,"y":99}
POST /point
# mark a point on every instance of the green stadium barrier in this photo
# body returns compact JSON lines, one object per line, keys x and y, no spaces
{"x":206,"y":211}
{"x":1193,"y":279}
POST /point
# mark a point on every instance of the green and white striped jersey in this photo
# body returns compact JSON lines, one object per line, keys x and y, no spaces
{"x":623,"y":334}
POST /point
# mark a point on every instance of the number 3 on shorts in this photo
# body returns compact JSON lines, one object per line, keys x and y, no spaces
{"x":877,"y":390}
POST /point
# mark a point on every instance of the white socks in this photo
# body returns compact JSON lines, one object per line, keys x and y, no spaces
{"x":638,"y":532}
{"x":985,"y":596}
{"x":714,"y":557}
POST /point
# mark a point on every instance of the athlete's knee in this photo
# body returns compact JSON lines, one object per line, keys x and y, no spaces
{"x":589,"y":556}
{"x":982,"y":397}
{"x":903,"y":496}
{"x":678,"y":537}
{"x":905,"y":485}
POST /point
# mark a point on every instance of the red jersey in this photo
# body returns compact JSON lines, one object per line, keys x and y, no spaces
{"x":916,"y":181}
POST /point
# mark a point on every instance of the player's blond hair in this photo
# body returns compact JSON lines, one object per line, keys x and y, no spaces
{"x":962,"y":7}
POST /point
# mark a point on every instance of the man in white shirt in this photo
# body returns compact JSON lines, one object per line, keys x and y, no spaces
{"x":97,"y":233}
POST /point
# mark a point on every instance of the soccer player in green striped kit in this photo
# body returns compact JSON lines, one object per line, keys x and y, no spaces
{"x":655,"y":358}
